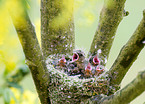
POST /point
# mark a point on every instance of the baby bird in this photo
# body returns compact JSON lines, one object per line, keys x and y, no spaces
{"x":94,"y":60}
{"x":78,"y":56}
{"x":62,"y":61}
{"x":99,"y":70}
{"x":72,"y":68}
{"x":87,"y":72}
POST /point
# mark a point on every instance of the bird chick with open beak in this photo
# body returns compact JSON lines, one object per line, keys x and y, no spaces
{"x":87,"y":72}
{"x":94,"y":60}
{"x":99,"y":70}
{"x":79,"y":58}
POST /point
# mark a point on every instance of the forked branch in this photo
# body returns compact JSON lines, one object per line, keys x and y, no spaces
{"x":128,"y":54}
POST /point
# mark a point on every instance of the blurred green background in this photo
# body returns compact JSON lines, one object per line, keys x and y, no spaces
{"x":86,"y":21}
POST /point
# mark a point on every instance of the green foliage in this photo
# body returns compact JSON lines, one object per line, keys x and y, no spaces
{"x":26,"y":4}
{"x":1,"y":91}
{"x":18,"y":75}
{"x":6,"y":95}
{"x":13,"y":68}
{"x":11,"y":80}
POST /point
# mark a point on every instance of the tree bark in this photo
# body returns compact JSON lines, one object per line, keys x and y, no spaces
{"x":57,"y":27}
{"x":128,"y":93}
{"x":128,"y":54}
{"x":32,"y":51}
{"x":110,"y":17}
{"x":54,"y":86}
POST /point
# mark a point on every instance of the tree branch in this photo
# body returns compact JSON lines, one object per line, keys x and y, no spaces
{"x":128,"y":54}
{"x":57,"y":27}
{"x":32,"y":51}
{"x":110,"y":17}
{"x":128,"y":93}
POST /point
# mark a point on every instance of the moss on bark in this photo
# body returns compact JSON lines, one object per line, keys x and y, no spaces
{"x":57,"y":27}
{"x":110,"y":17}
{"x":128,"y":54}
{"x":128,"y":93}
{"x":32,"y":51}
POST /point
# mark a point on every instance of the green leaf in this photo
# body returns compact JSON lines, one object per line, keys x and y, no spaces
{"x":15,"y":85}
{"x":1,"y":1}
{"x":6,"y":95}
{"x":26,"y":4}
{"x":13,"y":96}
{"x":1,"y":91}
{"x":24,"y":70}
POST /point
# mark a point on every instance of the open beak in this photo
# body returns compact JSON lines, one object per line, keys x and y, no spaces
{"x":88,"y":67}
{"x":75,"y":57}
{"x":96,"y":61}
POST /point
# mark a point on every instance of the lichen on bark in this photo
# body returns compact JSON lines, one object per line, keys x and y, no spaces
{"x":110,"y":17}
{"x":57,"y":27}
{"x":55,"y":86}
{"x":128,"y":54}
{"x":128,"y":93}
{"x":32,"y":51}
